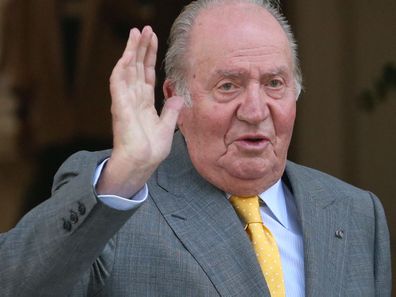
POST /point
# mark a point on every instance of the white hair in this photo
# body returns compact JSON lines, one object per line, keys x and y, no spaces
{"x":175,"y":59}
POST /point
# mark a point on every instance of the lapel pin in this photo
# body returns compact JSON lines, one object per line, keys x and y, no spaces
{"x":339,"y":233}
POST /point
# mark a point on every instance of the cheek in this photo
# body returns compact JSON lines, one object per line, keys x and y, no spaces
{"x":206,"y":120}
{"x":283,"y":117}
{"x":205,"y":127}
{"x":218,"y":119}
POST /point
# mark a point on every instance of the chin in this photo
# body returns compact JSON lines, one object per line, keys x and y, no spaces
{"x":254,"y":170}
{"x":249,"y":174}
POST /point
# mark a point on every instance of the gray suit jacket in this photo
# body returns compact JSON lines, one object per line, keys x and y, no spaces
{"x":186,"y":239}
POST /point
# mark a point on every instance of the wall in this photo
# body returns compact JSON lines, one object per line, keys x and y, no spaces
{"x":343,"y":48}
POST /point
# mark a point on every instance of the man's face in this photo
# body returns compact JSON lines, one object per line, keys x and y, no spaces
{"x":240,"y":77}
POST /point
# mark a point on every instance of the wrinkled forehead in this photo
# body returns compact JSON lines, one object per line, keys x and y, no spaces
{"x":232,"y":27}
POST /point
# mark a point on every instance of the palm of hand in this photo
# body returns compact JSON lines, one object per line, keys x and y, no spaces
{"x":141,"y":139}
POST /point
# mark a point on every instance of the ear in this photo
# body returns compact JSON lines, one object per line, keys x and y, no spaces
{"x":169,"y":89}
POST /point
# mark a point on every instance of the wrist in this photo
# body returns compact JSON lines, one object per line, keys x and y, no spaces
{"x":121,"y":179}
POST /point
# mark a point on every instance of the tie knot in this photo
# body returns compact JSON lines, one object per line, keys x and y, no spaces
{"x":247,"y":208}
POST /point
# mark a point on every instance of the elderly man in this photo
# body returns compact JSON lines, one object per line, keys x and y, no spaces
{"x":214,"y":209}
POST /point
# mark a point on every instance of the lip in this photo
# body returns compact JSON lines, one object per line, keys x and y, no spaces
{"x":252,"y":142}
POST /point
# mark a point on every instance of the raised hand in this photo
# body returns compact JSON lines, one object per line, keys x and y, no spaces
{"x":141,"y":139}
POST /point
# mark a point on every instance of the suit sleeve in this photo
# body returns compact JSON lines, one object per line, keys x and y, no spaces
{"x":62,"y":239}
{"x":382,"y":257}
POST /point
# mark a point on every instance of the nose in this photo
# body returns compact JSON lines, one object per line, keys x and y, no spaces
{"x":253,"y":108}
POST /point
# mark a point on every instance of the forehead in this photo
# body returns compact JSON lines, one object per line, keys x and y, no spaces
{"x":234,"y":31}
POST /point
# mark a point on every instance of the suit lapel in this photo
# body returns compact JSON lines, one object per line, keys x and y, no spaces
{"x":323,"y":216}
{"x":205,"y":222}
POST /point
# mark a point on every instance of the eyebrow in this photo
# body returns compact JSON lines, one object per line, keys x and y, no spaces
{"x":230,"y":73}
{"x":282,"y":70}
{"x":277,"y":71}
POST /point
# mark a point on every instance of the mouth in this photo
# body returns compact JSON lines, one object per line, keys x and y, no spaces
{"x":254,"y":139}
{"x":256,"y":142}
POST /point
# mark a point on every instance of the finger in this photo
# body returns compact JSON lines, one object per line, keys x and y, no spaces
{"x":133,"y":42}
{"x":129,"y":54}
{"x":144,"y":42}
{"x":170,"y":113}
{"x":122,"y":70}
{"x":117,"y":82}
{"x":129,"y":68}
{"x":150,"y":60}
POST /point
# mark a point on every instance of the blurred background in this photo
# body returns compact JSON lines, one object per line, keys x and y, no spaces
{"x":56,"y":57}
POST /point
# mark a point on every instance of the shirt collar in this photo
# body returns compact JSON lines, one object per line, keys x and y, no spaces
{"x":274,"y":198}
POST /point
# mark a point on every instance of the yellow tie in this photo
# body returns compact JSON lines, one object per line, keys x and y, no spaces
{"x":263,"y":242}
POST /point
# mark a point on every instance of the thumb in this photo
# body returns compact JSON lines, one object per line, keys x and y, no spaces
{"x":170,"y":111}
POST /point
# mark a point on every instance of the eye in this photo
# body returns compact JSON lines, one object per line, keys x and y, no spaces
{"x":275,"y":87}
{"x":275,"y":83}
{"x":228,"y":86}
{"x":226,"y":90}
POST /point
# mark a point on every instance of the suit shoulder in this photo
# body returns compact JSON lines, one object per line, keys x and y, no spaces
{"x":362,"y":201}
